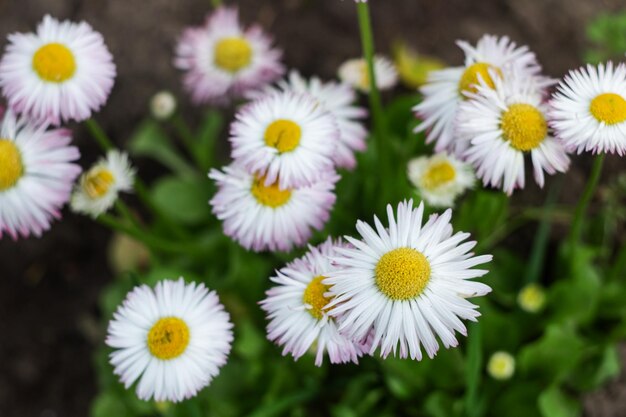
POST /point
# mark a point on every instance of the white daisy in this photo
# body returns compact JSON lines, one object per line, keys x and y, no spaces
{"x":99,"y":187}
{"x":338,"y":99}
{"x":286,"y":137}
{"x":173,"y":339}
{"x":354,"y":72}
{"x":296,"y":309}
{"x":36,"y":175}
{"x":264,"y":217}
{"x":63,"y":72}
{"x":222,"y":60}
{"x":504,"y":122}
{"x":446,"y":88}
{"x":407,"y":283}
{"x":440,"y":178}
{"x":163,"y":105}
{"x":588,"y":111}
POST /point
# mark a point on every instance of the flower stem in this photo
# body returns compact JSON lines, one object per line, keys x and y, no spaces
{"x":188,"y":139}
{"x":581,"y":209}
{"x":99,"y":135}
{"x":216,"y":3}
{"x":473,"y":368}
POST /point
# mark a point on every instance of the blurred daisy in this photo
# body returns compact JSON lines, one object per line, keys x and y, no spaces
{"x":99,"y":187}
{"x":36,"y":175}
{"x":297,"y":313}
{"x":222,"y":60}
{"x":354,"y":72}
{"x":588,"y":111}
{"x":501,"y":366}
{"x":286,"y":137}
{"x":490,"y":59}
{"x":504,"y":122}
{"x":440,"y":178}
{"x":407,"y":283}
{"x":264,"y":217}
{"x":532,"y":298}
{"x":336,"y":98}
{"x":173,"y":339}
{"x":163,"y":105}
{"x":63,"y":72}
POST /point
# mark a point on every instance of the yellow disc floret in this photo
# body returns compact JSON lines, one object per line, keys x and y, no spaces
{"x":501,"y":365}
{"x":314,"y":296}
{"x":97,"y":182}
{"x":54,"y":63}
{"x":609,"y":108}
{"x":402,"y":273}
{"x":168,"y":338}
{"x":438,"y":174}
{"x":469,"y":79}
{"x":11,"y":168}
{"x":269,"y":195}
{"x":233,"y":54}
{"x":524,"y":126}
{"x":283,"y":135}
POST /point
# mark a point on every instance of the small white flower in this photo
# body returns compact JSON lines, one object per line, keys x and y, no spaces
{"x":531,"y":298}
{"x":173,"y":339}
{"x":501,"y":366}
{"x":406,"y":283}
{"x":163,"y":105}
{"x":355,"y":72}
{"x":98,"y":188}
{"x":440,"y":178}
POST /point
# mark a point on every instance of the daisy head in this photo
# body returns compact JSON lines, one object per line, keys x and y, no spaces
{"x":265,"y":217}
{"x":296,"y":309}
{"x":588,"y":111}
{"x":440,"y":178}
{"x":407,"y":283}
{"x":222,"y":60}
{"x":492,"y":58}
{"x":36,"y":175}
{"x":355,"y":73}
{"x":163,"y":105}
{"x":502,"y":125}
{"x":62,"y":72}
{"x":173,"y":339}
{"x":286,"y":138}
{"x":98,"y":188}
{"x":338,"y":99}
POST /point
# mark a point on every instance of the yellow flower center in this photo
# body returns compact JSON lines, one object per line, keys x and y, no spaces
{"x":168,"y":338}
{"x":269,"y":195}
{"x":469,"y":79}
{"x":54,"y":63}
{"x":438,"y":174}
{"x":97,"y":182}
{"x":283,"y":135}
{"x":233,"y":54}
{"x":609,"y":108}
{"x":402,"y":273}
{"x":11,"y":168}
{"x":524,"y":126}
{"x":314,"y":296}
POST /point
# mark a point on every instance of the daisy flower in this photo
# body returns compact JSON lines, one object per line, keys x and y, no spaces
{"x":406,"y":283}
{"x":99,"y":187}
{"x":36,"y":175}
{"x":63,"y":72}
{"x":354,"y":72}
{"x":588,"y":111}
{"x":163,"y":105}
{"x":440,"y":178}
{"x":286,"y":137}
{"x":297,"y":313}
{"x":173,"y":339}
{"x":502,"y":124}
{"x":222,"y":60}
{"x":446,"y":88}
{"x":265,"y":217}
{"x":338,"y":99}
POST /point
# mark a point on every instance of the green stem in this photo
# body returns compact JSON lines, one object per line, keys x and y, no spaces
{"x":473,"y":370}
{"x":216,"y":3}
{"x":99,"y":135}
{"x":585,"y":199}
{"x":144,"y":195}
{"x":188,"y":139}
{"x":125,"y":212}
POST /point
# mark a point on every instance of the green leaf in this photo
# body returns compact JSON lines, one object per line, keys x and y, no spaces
{"x":107,"y":404}
{"x":208,"y":134}
{"x":482,"y":213}
{"x":518,"y":400}
{"x":554,"y":403}
{"x":150,"y":141}
{"x":184,"y":200}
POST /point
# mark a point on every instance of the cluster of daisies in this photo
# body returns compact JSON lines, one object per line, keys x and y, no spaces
{"x":495,"y":113}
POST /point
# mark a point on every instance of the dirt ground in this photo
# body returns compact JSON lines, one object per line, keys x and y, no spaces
{"x":49,"y":286}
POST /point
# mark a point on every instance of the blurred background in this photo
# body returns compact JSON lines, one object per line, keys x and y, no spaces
{"x":49,"y":286}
